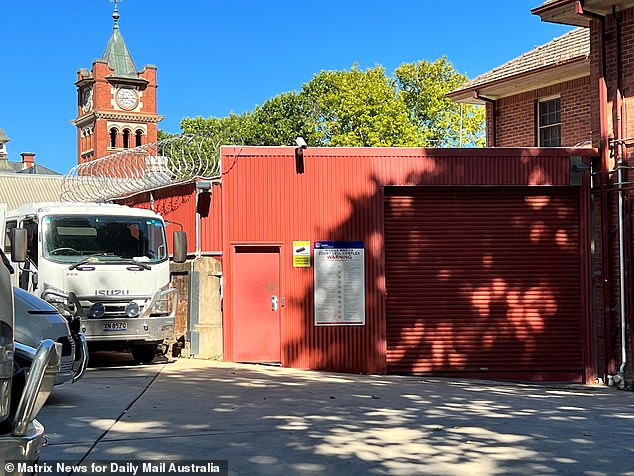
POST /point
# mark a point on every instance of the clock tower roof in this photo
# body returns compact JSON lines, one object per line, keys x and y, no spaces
{"x":116,"y":103}
{"x":117,"y":54}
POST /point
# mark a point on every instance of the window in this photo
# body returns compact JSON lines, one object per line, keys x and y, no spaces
{"x":549,"y":123}
{"x":113,"y":138}
{"x":10,"y":225}
{"x":138,"y":135}
{"x":126,"y":138}
{"x":71,"y":238}
{"x":30,"y":224}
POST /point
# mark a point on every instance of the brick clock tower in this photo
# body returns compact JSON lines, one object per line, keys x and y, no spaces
{"x":116,"y":104}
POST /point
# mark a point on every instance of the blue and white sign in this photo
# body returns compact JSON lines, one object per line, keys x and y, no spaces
{"x":339,"y":283}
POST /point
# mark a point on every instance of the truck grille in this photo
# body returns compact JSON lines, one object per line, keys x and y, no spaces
{"x":68,"y":354}
{"x":114,"y":309}
{"x":68,"y":346}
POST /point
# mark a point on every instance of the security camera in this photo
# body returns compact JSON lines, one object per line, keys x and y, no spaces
{"x":203,"y":185}
{"x":301,"y":143}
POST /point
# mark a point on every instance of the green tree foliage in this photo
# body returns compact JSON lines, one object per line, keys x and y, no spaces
{"x":358,"y":108}
{"x":234,"y":128}
{"x":283,"y":118}
{"x":211,"y":134}
{"x":441,"y":122}
{"x":277,"y":122}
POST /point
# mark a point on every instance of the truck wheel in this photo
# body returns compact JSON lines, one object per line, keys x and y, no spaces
{"x":144,"y":353}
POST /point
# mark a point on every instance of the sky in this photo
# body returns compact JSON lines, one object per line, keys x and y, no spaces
{"x":215,"y":57}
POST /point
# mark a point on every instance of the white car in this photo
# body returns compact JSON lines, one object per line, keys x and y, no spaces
{"x":35,"y":321}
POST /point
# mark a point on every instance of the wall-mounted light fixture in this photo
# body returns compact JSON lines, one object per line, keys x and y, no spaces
{"x":299,"y":154}
{"x":203,"y":204}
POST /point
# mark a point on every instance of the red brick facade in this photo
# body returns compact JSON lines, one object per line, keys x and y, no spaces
{"x":617,"y":42}
{"x":596,"y":110}
{"x":116,"y":109}
{"x":516,"y":123}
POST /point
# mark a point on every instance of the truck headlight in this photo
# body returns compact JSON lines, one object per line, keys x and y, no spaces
{"x":54,"y":296}
{"x":132,"y":309}
{"x":97,"y":310}
{"x":162,"y":306}
{"x":58,"y":299}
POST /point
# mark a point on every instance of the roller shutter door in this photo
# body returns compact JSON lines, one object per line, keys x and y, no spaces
{"x":484,"y":282}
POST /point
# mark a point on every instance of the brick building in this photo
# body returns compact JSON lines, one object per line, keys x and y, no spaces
{"x":522,"y":95}
{"x":116,"y":104}
{"x":578,"y":90}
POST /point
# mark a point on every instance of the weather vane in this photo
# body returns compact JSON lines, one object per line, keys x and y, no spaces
{"x":115,"y":14}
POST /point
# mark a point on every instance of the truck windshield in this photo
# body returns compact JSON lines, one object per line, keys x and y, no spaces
{"x":69,"y":239}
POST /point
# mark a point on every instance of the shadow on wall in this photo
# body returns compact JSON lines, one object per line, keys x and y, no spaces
{"x":479,"y":280}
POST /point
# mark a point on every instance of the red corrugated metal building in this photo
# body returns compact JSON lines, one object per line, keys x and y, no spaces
{"x":475,"y":261}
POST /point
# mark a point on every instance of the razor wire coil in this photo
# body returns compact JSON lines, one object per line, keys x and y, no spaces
{"x":171,"y":161}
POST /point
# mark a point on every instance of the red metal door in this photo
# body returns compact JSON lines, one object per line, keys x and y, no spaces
{"x":256,"y":315}
{"x":484,"y":282}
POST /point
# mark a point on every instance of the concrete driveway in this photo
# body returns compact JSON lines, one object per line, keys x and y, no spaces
{"x":274,"y":421}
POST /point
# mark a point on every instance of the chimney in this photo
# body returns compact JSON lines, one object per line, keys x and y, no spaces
{"x":28,"y":160}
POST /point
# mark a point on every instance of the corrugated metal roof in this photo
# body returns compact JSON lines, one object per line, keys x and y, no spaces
{"x":18,"y":189}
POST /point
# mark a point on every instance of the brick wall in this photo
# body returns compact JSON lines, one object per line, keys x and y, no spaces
{"x":515,"y":115}
{"x":610,"y":284}
{"x":143,"y":117}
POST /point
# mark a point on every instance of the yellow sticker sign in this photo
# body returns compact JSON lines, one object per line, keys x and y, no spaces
{"x":301,"y":254}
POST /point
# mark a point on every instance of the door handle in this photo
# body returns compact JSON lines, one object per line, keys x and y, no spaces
{"x":274,"y":303}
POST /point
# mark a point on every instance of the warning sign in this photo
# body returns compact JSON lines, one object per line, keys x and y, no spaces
{"x":301,"y":254}
{"x":339,"y":283}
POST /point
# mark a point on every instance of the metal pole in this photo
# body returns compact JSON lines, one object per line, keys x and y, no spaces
{"x":619,"y":174}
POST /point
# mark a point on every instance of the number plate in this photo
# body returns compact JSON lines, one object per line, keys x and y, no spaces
{"x":115,"y":326}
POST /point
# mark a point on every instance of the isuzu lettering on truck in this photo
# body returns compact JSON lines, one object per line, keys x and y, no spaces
{"x":104,"y":263}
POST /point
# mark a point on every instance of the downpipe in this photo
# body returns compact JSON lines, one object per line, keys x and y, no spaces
{"x":619,"y":379}
{"x":620,"y":152}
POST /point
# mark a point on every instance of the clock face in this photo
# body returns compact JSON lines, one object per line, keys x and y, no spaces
{"x":86,"y":99}
{"x":127,"y":98}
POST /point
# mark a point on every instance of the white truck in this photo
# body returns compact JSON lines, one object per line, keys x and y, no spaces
{"x":104,"y":265}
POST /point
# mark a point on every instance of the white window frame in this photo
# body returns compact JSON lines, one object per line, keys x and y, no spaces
{"x":541,"y":126}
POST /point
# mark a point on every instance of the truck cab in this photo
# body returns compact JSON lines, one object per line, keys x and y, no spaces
{"x":104,"y":266}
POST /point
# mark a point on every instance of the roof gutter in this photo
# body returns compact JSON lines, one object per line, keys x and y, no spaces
{"x":549,"y":12}
{"x":549,"y":7}
{"x":476,"y":95}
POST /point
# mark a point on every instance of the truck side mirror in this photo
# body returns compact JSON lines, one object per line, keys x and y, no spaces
{"x":18,"y":239}
{"x":180,"y":246}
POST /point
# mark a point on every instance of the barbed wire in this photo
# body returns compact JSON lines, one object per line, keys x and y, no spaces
{"x":171,"y":161}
